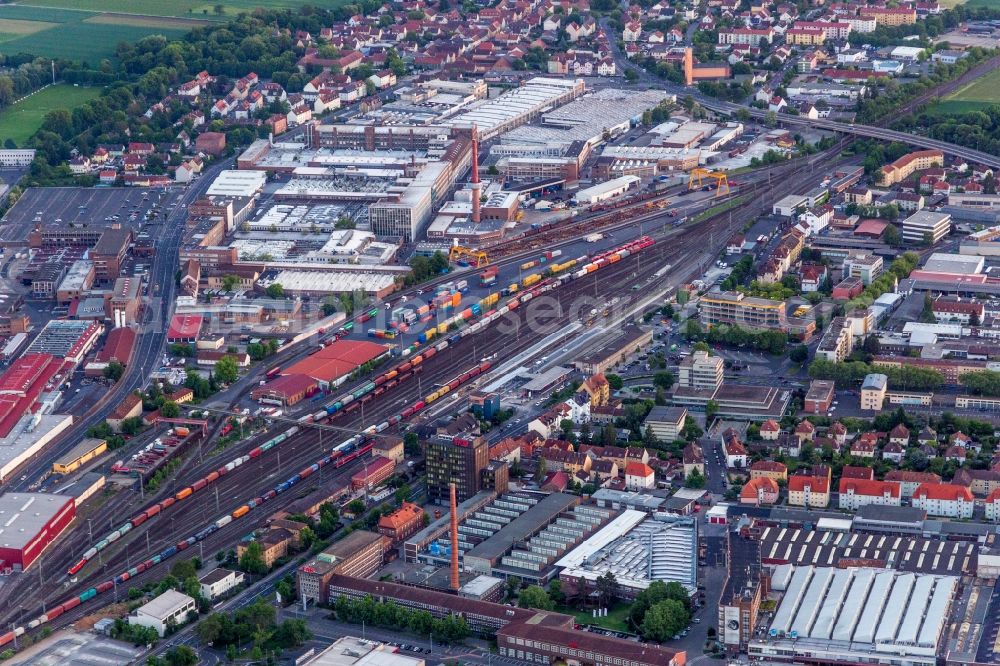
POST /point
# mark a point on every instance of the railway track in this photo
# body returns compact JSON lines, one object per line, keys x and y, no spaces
{"x":20,"y":598}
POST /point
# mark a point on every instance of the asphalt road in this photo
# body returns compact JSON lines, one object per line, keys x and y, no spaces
{"x":151,"y":340}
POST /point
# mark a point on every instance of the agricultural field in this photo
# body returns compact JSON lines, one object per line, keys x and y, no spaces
{"x":22,"y":119}
{"x":981,"y":92}
{"x":192,"y":8}
{"x":58,"y":32}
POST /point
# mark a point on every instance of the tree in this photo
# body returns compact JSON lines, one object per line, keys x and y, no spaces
{"x":219,"y":9}
{"x":183,"y":570}
{"x":694,"y":480}
{"x":664,"y":620}
{"x":534,"y":597}
{"x":555,"y":592}
{"x":891,"y":236}
{"x":692,"y":330}
{"x":226,"y":370}
{"x":631,"y":75}
{"x":170,"y":410}
{"x":609,"y":435}
{"x":711,"y":409}
{"x":229,"y":282}
{"x":799,"y":354}
{"x":275,"y":290}
{"x":182,"y":655}
{"x":607,"y":588}
{"x":615,"y":382}
{"x":541,"y":469}
{"x":131,"y":426}
{"x":252,"y":560}
{"x":663,"y":379}
{"x":114,"y":371}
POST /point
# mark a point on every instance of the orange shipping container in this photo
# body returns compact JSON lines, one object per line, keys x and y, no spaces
{"x":181,"y":431}
{"x":456,"y":299}
{"x":242,"y":511}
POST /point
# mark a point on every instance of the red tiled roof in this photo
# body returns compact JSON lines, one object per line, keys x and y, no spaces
{"x":768,"y":466}
{"x":184,"y":326}
{"x":638,"y":469}
{"x":285,"y":386}
{"x":869,"y":487}
{"x":942,"y":491}
{"x":401,"y":517}
{"x":118,"y":346}
{"x":912,"y":477}
{"x":337,"y":359}
{"x":817,"y":484}
{"x":753,"y":486}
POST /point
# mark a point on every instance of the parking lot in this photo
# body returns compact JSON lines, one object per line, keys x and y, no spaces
{"x":79,"y":206}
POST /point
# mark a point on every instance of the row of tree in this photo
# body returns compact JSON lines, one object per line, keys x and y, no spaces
{"x":850,"y":373}
{"x":390,"y":615}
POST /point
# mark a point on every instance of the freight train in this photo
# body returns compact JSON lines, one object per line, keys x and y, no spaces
{"x":340,"y":455}
{"x":350,"y":449}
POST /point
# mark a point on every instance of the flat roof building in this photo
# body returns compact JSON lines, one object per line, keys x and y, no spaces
{"x":167,"y":610}
{"x":238,"y":183}
{"x":849,"y":615}
{"x":730,"y":307}
{"x":926,"y":225}
{"x":637,"y":548}
{"x":29,"y":522}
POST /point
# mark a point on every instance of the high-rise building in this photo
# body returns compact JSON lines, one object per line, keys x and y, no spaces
{"x":701,"y":371}
{"x":458,"y":461}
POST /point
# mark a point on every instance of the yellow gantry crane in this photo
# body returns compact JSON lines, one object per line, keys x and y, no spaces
{"x":721,"y":181}
{"x":478,"y":257}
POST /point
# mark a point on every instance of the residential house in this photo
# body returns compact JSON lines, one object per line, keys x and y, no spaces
{"x":760,"y":491}
{"x":855,"y":493}
{"x":944,"y":499}
{"x":812,"y":492}
{"x":769,"y":468}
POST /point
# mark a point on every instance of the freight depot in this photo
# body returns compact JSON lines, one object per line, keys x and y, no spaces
{"x":341,"y":454}
{"x":601,"y":261}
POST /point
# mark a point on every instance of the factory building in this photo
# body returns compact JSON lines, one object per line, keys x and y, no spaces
{"x":637,"y":548}
{"x":29,"y":522}
{"x":829,"y":615}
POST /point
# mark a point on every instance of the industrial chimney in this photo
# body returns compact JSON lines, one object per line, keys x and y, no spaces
{"x":476,"y":187}
{"x":454,"y":540}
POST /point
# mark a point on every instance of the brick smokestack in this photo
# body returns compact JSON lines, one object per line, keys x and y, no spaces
{"x":476,"y":188}
{"x":454,"y":540}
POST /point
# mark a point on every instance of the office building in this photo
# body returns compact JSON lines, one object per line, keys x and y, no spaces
{"x":458,"y":461}
{"x":170,"y":609}
{"x":359,"y":554}
{"x":925,"y":225}
{"x":701,"y":371}
{"x":730,"y":307}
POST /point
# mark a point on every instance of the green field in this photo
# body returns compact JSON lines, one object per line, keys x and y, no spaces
{"x":981,"y":92}
{"x":66,"y":33}
{"x":616,"y":620}
{"x":20,"y":121}
{"x":192,"y":8}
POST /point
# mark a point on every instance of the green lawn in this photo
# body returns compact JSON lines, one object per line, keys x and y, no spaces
{"x":719,"y":209}
{"x":23,"y":119}
{"x":68,"y":33}
{"x":979,"y":93}
{"x":192,"y":8}
{"x":616,"y":620}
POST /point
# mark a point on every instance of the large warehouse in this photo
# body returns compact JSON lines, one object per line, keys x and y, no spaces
{"x":854,"y":615}
{"x":29,"y":522}
{"x":638,"y":549}
{"x":331,"y":365}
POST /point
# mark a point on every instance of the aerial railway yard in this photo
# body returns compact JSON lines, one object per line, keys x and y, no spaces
{"x":164,"y":529}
